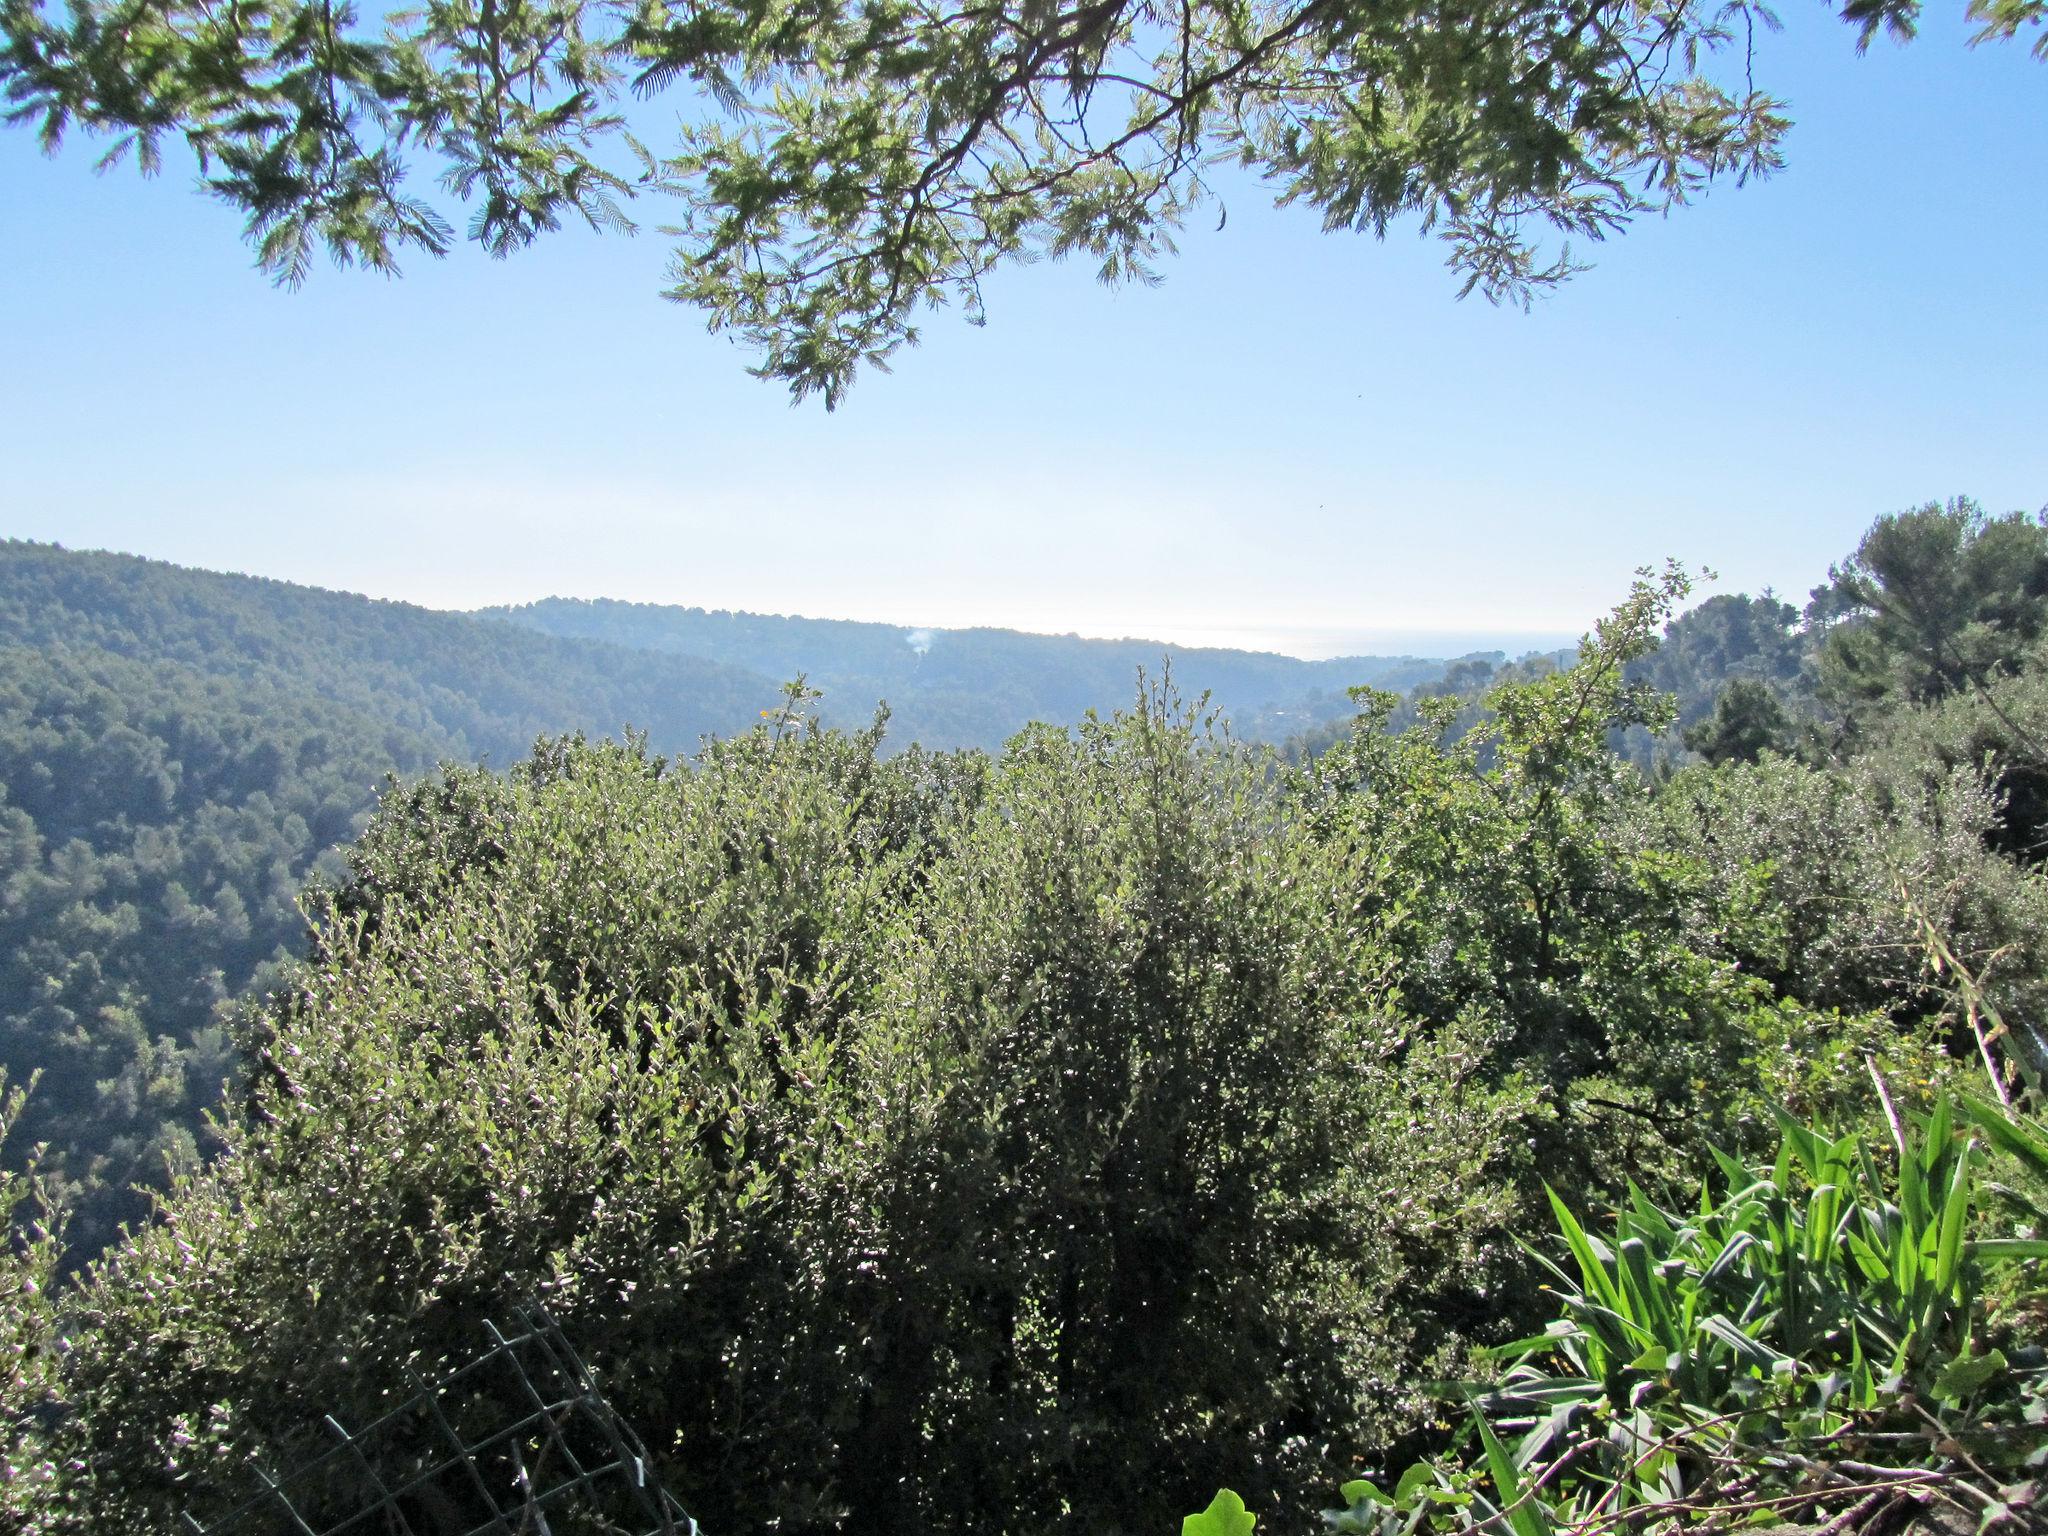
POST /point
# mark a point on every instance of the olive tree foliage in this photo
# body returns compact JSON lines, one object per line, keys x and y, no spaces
{"x":916,"y":1144}
{"x":843,"y":166}
{"x":1884,"y":885}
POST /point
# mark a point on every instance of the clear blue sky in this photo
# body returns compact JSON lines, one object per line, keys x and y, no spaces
{"x":1300,"y":442}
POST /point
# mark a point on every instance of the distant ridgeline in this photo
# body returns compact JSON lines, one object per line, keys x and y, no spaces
{"x":181,"y":750}
{"x":977,"y":687}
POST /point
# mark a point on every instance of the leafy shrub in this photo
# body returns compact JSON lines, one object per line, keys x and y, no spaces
{"x":919,"y":1143}
{"x":1537,"y":897}
{"x":908,"y":1142}
{"x":31,"y":1343}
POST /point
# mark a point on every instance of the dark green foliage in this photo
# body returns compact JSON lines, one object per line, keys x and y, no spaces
{"x":30,"y":1334}
{"x":156,"y":825}
{"x":1935,"y":601}
{"x":1996,"y":730}
{"x":1546,"y":907}
{"x":179,"y":752}
{"x":488,"y":690}
{"x":908,"y":1142}
{"x":1747,"y":722}
{"x":912,"y":1141}
{"x":1728,"y":640}
{"x":933,"y":1143}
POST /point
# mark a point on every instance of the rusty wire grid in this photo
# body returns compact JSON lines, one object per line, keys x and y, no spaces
{"x":518,"y":1442}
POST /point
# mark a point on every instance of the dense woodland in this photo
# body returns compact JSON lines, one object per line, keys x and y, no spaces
{"x":179,"y":753}
{"x":979,"y":687}
{"x":934,"y":1141}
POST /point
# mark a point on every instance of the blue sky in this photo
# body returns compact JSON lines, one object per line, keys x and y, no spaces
{"x":1300,"y":442}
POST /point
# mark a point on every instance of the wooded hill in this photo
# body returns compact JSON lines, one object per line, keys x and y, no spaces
{"x":181,"y":751}
{"x":977,"y":687}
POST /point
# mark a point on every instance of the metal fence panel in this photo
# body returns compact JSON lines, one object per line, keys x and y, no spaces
{"x":518,"y":1442}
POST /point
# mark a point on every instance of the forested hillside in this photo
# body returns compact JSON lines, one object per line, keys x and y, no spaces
{"x":976,"y":687}
{"x":489,"y":690}
{"x":179,"y":752}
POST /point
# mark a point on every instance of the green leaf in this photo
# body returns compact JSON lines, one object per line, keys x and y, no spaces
{"x":2009,"y":1248}
{"x":1358,"y":1490}
{"x":2028,"y":1143}
{"x":1528,"y":1519}
{"x":1955,"y":1215}
{"x":1225,"y":1516}
{"x":1415,"y":1478}
{"x":1968,"y":1374}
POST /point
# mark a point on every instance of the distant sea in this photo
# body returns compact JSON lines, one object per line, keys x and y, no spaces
{"x":1312,"y":643}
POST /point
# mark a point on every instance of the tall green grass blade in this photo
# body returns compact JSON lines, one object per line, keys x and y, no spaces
{"x":1525,"y":1519}
{"x":2020,"y":1139}
{"x":1591,"y":1266}
{"x":1955,"y":1214}
{"x":2008,"y":1248}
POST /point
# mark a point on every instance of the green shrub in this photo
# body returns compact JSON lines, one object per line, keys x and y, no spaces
{"x":907,"y":1143}
{"x":31,"y":1342}
{"x":919,"y":1144}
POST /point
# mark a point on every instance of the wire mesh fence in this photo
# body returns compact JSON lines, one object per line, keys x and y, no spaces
{"x":518,"y":1442}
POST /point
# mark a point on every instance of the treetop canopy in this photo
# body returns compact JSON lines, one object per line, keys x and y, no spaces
{"x":869,"y":159}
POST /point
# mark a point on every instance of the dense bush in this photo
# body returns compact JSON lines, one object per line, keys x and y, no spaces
{"x":30,"y":1333}
{"x":1551,"y":905}
{"x":940,"y":1143}
{"x":909,"y":1142}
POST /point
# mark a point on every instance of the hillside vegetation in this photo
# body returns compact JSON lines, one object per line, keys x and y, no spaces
{"x":953,"y":1143}
{"x":179,"y":753}
{"x":977,"y":687}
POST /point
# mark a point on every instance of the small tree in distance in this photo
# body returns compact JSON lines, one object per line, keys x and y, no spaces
{"x":1747,"y":720}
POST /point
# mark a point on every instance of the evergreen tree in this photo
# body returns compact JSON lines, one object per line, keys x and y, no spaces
{"x":1935,"y":600}
{"x":1747,"y":721}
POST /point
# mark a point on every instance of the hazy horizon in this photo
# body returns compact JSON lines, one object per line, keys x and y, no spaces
{"x":1300,"y":441}
{"x":1302,"y":642}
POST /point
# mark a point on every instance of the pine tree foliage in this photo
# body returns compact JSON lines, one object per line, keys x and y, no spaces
{"x":1936,"y":600}
{"x":844,"y":166}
